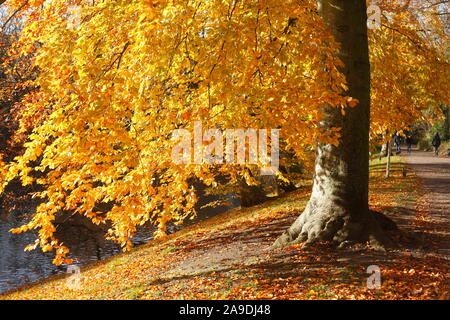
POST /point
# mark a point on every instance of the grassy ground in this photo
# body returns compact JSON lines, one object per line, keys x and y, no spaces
{"x":443,"y":149}
{"x":425,"y":145}
{"x":228,"y":257}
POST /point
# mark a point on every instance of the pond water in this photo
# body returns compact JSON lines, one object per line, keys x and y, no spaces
{"x":18,"y":267}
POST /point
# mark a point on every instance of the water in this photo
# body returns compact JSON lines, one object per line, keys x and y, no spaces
{"x":18,"y":267}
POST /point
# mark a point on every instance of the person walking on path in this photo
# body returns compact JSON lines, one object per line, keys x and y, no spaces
{"x":397,"y":142}
{"x":436,"y":143}
{"x":409,"y":143}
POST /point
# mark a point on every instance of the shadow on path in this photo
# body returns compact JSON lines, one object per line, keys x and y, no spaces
{"x":434,"y":205}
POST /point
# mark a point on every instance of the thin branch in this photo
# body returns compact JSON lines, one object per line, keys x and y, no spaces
{"x":14,"y":13}
{"x":436,"y":4}
{"x":405,"y":35}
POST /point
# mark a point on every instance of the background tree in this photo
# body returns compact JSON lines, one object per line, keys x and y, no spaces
{"x":446,"y":121}
{"x":15,"y":77}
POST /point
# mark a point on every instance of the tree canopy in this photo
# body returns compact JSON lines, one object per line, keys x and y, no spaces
{"x":116,"y":78}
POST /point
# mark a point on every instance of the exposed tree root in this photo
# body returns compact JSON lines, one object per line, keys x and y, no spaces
{"x":319,"y":224}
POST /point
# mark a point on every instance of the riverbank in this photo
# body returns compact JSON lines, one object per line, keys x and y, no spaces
{"x":229,"y":257}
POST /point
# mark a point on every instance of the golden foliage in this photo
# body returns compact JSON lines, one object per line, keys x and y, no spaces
{"x":118,"y":77}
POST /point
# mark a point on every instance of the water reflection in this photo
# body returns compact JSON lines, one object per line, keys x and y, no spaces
{"x":18,"y":267}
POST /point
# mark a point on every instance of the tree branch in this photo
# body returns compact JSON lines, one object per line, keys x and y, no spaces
{"x":14,"y":13}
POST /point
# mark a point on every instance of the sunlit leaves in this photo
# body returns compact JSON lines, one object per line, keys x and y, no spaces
{"x":410,"y":65}
{"x":116,"y":84}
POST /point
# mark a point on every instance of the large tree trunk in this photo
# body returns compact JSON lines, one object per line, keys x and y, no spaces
{"x":388,"y":161}
{"x":338,"y":208}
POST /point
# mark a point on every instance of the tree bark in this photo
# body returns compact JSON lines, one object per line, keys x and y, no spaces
{"x":446,"y":111}
{"x":383,"y":152}
{"x":338,"y":208}
{"x":388,"y":161}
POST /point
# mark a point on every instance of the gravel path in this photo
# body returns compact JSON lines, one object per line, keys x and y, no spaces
{"x":435,"y":203}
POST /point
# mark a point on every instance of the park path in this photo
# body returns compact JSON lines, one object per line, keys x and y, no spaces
{"x":435,"y":203}
{"x":428,"y":222}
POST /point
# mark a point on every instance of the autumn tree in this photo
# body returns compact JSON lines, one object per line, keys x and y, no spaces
{"x":409,"y":63}
{"x":338,"y":207}
{"x":116,"y":78}
{"x":16,"y":75}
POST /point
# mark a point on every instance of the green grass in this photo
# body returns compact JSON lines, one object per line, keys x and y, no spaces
{"x":377,"y":166}
{"x":445,"y":146}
